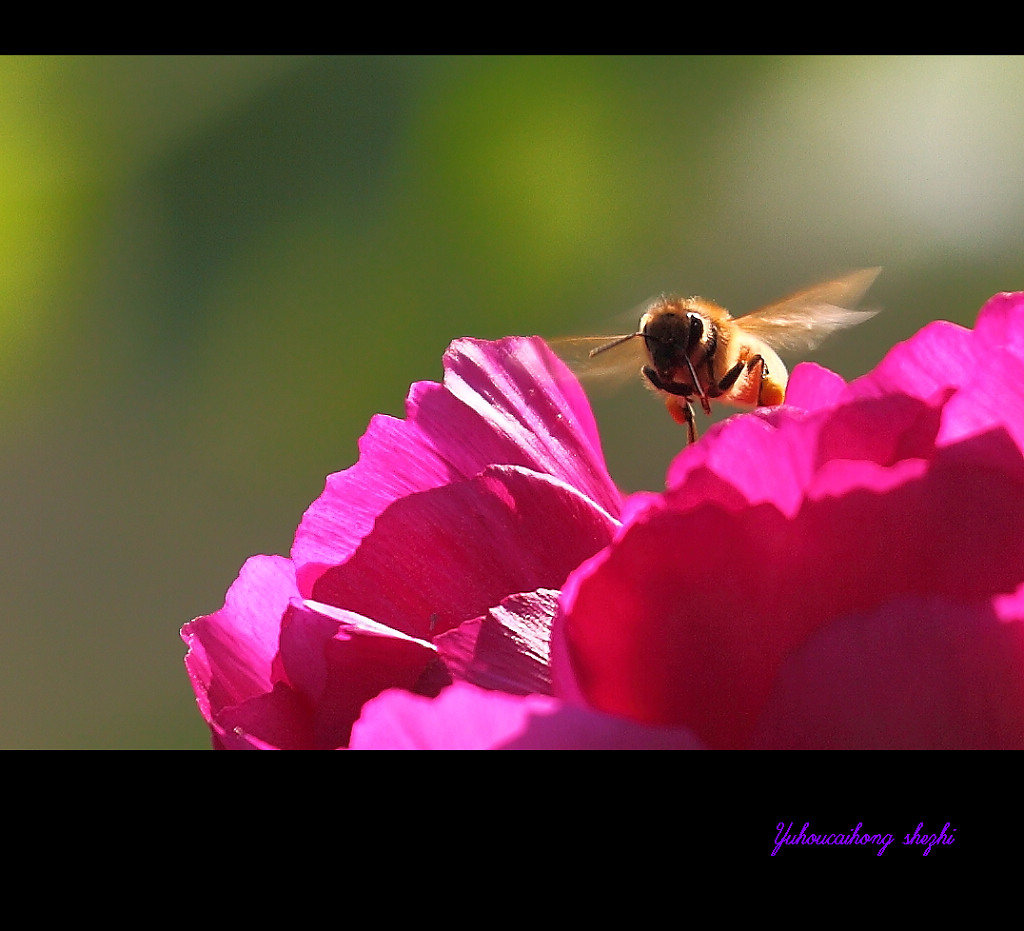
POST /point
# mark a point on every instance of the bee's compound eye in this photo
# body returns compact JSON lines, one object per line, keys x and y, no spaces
{"x":696,"y":332}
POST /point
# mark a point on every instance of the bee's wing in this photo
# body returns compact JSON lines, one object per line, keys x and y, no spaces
{"x":798,"y":323}
{"x":620,"y":357}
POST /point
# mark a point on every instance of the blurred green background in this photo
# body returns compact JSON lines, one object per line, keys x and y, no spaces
{"x":215,"y":270}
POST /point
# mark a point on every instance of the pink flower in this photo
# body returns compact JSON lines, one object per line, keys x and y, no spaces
{"x":843,"y":571}
{"x":437,"y":557}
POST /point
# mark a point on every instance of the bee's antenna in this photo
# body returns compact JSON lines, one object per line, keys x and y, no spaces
{"x":615,"y":342}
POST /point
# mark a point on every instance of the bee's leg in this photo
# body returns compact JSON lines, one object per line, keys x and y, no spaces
{"x":758,"y":361}
{"x":727,"y":381}
{"x":682,"y":413}
{"x":683,"y":391}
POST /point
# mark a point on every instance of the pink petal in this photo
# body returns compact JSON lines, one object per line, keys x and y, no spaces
{"x":936,"y":360}
{"x":990,"y":396}
{"x":999,"y":326}
{"x":774,"y":458}
{"x":276,"y":720}
{"x":812,"y":387}
{"x":506,"y":649}
{"x":915,"y":673}
{"x":443,"y":556}
{"x":231,"y":652}
{"x":464,"y":717}
{"x":512,"y":402}
{"x":271,"y":671}
{"x":336,"y":661}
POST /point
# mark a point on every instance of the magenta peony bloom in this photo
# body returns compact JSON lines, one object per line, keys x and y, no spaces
{"x":843,"y":571}
{"x":437,"y":557}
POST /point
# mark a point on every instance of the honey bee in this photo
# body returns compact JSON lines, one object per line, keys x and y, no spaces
{"x":692,"y":348}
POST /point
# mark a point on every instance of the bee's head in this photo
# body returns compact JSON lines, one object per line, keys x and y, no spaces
{"x":671,"y":334}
